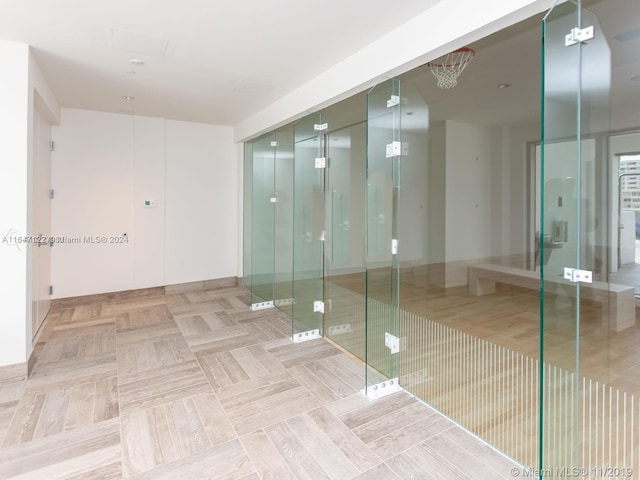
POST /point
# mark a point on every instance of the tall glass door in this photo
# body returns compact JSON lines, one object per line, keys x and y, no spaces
{"x":309,"y":233}
{"x":345,"y":228}
{"x":576,"y":430}
{"x":262,"y":221}
{"x":283,"y":220}
{"x":384,"y":149}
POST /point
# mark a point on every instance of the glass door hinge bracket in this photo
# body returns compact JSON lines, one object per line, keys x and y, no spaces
{"x":578,"y":35}
{"x":392,"y":342}
{"x":393,"y":101}
{"x":576,"y":275}
{"x":397,"y":149}
{"x":318,"y":306}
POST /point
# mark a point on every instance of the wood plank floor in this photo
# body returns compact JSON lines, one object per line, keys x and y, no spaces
{"x":197,"y":386}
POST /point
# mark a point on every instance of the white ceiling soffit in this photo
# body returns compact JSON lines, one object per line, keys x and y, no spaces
{"x":203,"y":60}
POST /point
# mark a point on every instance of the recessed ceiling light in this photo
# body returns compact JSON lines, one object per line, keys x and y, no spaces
{"x":504,"y":85}
{"x":135,"y":61}
{"x":127,"y":97}
{"x":636,"y":78}
{"x":409,"y":113}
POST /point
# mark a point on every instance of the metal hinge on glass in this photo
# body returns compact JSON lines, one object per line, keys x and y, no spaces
{"x":578,"y":35}
{"x":321,"y":162}
{"x":397,"y":149}
{"x":576,"y":275}
{"x":392,"y":342}
{"x":394,"y":246}
{"x":318,"y":306}
{"x":318,"y":127}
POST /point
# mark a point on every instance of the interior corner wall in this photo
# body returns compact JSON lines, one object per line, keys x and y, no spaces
{"x":14,"y":117}
{"x":105,"y":167}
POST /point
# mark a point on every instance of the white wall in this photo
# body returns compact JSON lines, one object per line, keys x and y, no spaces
{"x":104,"y":168}
{"x":14,"y":98}
{"x":437,"y":192}
{"x":468,"y":200}
{"x":92,"y":176}
{"x":476,"y":185}
{"x":202,"y":210}
{"x":148,"y":223}
{"x":21,"y":83}
{"x":516,"y":185}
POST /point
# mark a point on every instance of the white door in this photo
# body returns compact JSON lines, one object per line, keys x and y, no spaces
{"x":41,"y":267}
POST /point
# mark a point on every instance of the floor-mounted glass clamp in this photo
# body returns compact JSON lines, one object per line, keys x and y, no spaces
{"x":306,"y":336}
{"x":262,"y":305}
{"x":382,"y":389}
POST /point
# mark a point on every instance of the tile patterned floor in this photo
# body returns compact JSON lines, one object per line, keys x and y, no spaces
{"x":197,"y":386}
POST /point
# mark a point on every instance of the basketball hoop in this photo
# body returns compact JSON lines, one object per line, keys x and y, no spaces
{"x":448,"y":67}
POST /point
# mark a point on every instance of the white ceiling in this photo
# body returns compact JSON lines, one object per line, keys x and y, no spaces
{"x":206,"y":61}
{"x":219,"y":62}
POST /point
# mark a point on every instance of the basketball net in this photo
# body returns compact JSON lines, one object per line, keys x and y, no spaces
{"x":448,"y":67}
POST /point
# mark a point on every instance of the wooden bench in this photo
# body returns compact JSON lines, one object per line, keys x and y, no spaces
{"x":620,"y":299}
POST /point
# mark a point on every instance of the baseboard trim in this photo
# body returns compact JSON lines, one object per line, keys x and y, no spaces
{"x":68,"y":302}
{"x":201,"y":285}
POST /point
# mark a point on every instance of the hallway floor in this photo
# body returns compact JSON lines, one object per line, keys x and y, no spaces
{"x":197,"y":386}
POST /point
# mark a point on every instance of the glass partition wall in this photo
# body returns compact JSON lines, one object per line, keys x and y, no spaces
{"x":587,"y":426}
{"x":384,"y":153}
{"x":345,"y":246}
{"x":269,"y":219}
{"x":263,"y":221}
{"x":453,"y":264}
{"x":309,"y":233}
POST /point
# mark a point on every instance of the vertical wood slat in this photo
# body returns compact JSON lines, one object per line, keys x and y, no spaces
{"x":494,"y":392}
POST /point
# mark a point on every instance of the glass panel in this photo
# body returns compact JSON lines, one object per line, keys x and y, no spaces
{"x":283,"y":218}
{"x":263,"y":218}
{"x":575,"y":315}
{"x":383,"y":129}
{"x":345,"y":245}
{"x":308,"y":226}
{"x":247,"y":214}
{"x":469,"y":319}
